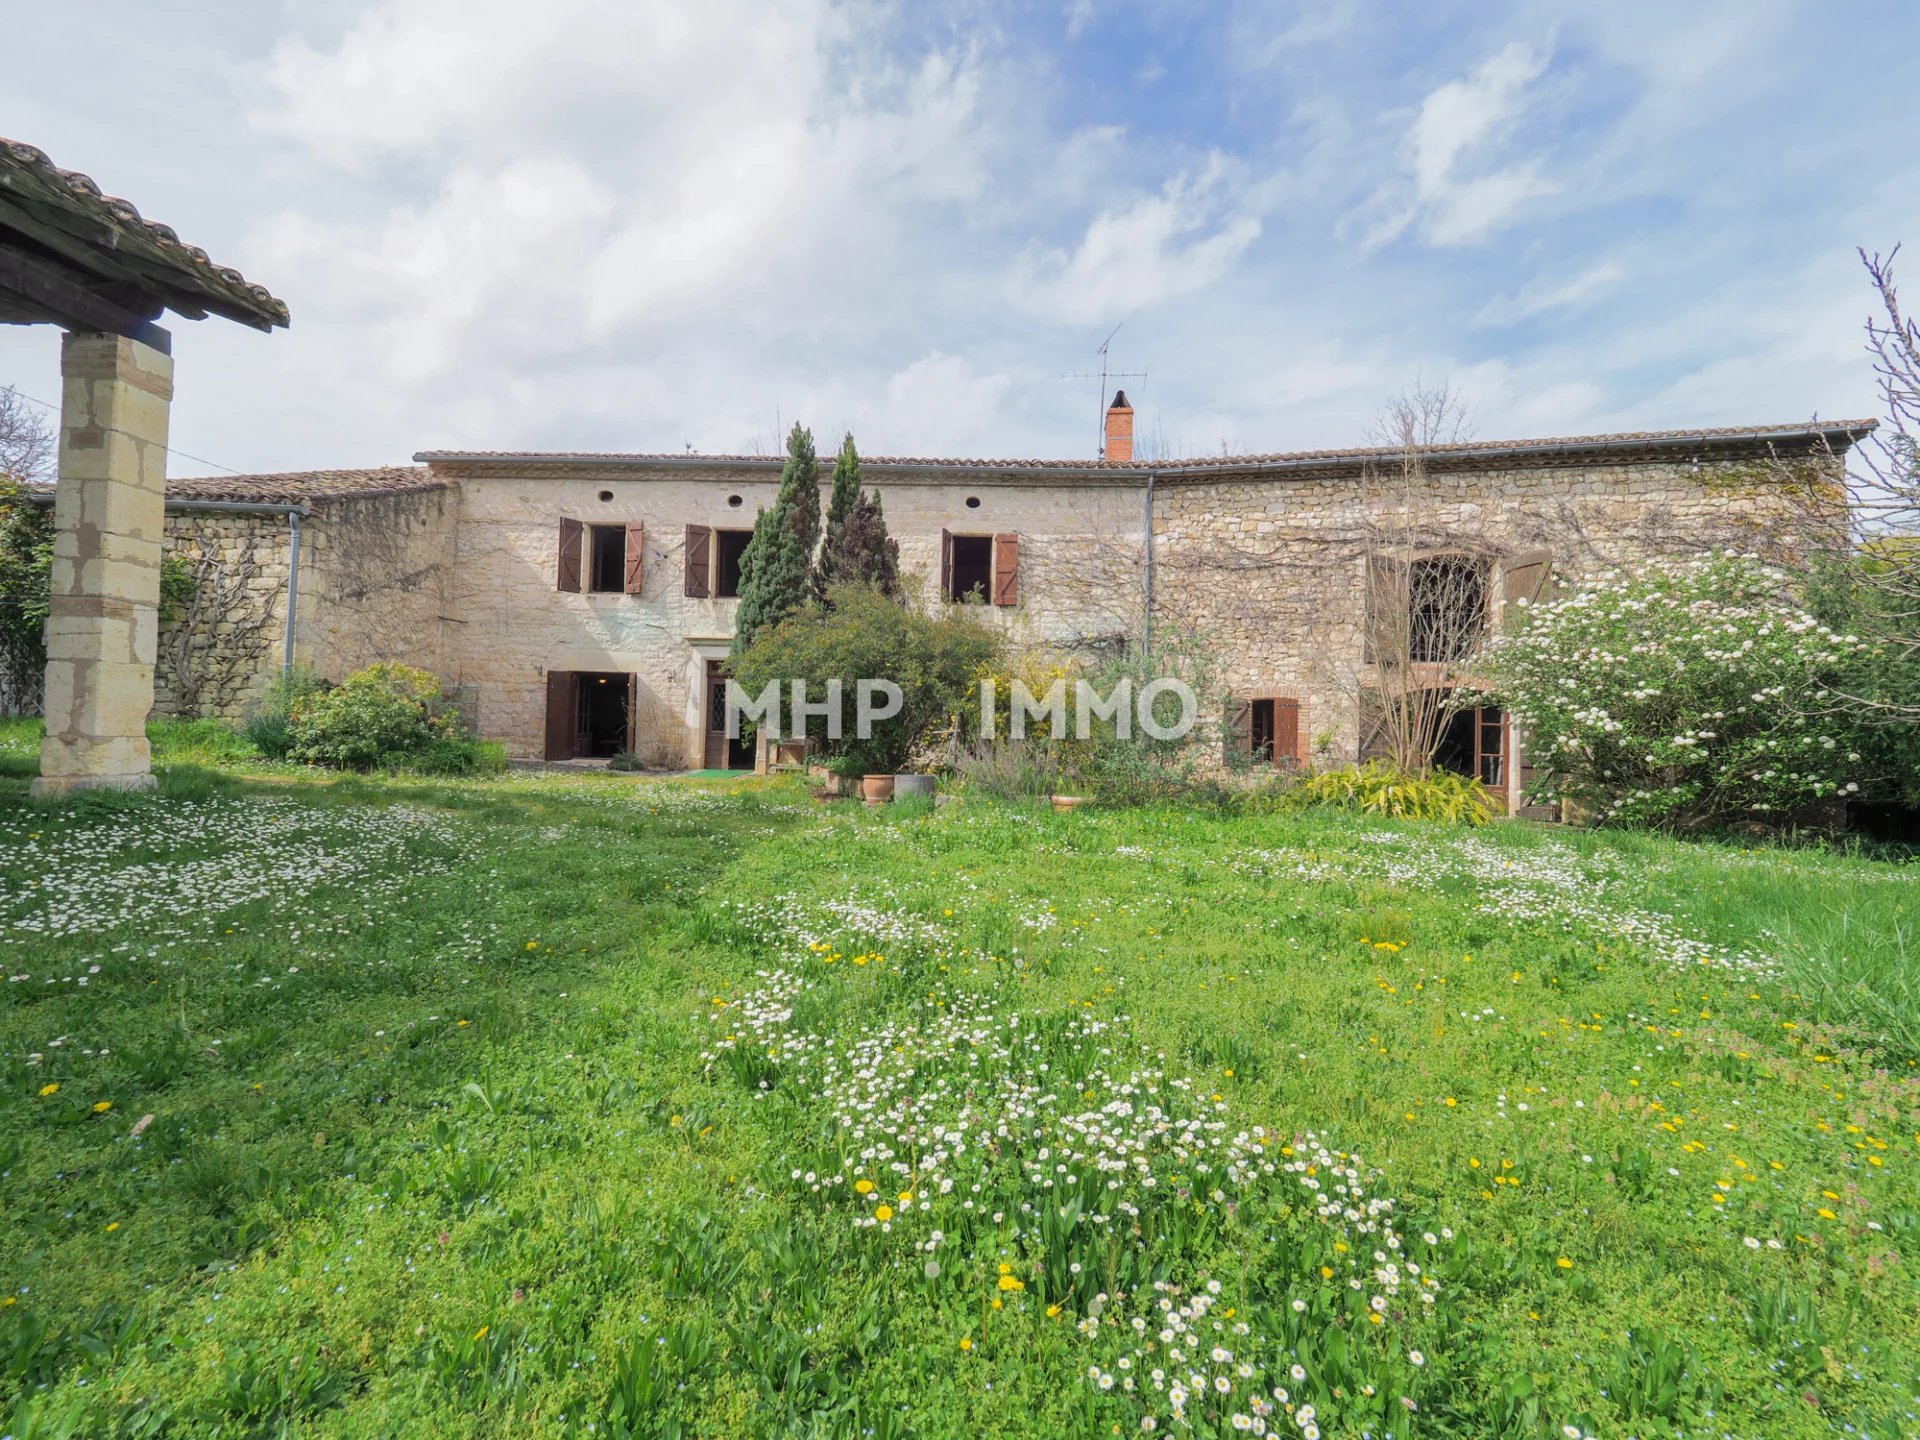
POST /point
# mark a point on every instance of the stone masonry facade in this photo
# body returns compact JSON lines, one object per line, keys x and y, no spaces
{"x":1262,"y":560}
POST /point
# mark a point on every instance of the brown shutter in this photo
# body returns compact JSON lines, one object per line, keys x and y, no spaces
{"x":698,"y":579}
{"x":1286,"y":731}
{"x":636,"y":555}
{"x":1006,"y":569}
{"x":946,"y":565}
{"x":560,"y":707}
{"x":1388,"y":621}
{"x":1238,"y":739}
{"x":1373,"y":725}
{"x":1528,"y":577}
{"x":572,"y":536}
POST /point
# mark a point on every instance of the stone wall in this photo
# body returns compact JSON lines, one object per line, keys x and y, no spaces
{"x":373,"y":578}
{"x":1268,"y":571}
{"x":217,"y":657}
{"x":514,"y":625}
{"x":374,"y":582}
{"x":1271,"y":571}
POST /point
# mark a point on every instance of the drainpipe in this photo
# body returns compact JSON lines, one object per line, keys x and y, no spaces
{"x":1146,"y":544}
{"x":293,"y":588}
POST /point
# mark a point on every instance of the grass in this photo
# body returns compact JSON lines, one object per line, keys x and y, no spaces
{"x":569,"y":1105}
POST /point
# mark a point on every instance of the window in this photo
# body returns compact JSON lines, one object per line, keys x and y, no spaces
{"x":607,"y":573}
{"x":1273,"y":731}
{"x":1447,"y":605}
{"x":728,"y":546}
{"x":970,"y":570}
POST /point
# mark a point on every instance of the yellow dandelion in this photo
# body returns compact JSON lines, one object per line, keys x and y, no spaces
{"x":1564,"y":1263}
{"x":966,"y":1342}
{"x":883,"y":1214}
{"x":53,"y":1089}
{"x":112,"y":1226}
{"x":481,"y":1333}
{"x":1053,"y":1312}
{"x":100,"y":1107}
{"x":863,"y":1187}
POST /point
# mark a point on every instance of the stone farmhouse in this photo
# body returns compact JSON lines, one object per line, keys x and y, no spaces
{"x":583,"y":604}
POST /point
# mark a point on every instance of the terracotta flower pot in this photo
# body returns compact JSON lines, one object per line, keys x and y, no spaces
{"x":1070,"y":802}
{"x":878,"y":787}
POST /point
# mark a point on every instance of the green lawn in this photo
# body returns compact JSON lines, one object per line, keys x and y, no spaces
{"x":591,"y":1105}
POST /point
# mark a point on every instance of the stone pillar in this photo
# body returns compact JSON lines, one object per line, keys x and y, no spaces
{"x":109,"y":515}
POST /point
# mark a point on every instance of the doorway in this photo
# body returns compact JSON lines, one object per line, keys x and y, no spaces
{"x":722,"y":752}
{"x":1474,"y":744}
{"x":589,"y":714}
{"x":605,"y":701}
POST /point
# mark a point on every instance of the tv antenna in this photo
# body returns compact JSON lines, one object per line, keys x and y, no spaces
{"x":1105,"y":377}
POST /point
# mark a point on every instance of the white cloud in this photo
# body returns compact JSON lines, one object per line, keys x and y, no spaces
{"x":946,"y":404}
{"x":1156,"y":248}
{"x":1537,"y":297}
{"x":1457,"y":125}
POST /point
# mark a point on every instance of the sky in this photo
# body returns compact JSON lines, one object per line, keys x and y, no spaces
{"x":599,"y":225}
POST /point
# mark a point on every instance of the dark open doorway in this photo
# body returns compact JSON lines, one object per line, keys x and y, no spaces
{"x":605,"y":701}
{"x":723,"y":752}
{"x":1474,"y":743}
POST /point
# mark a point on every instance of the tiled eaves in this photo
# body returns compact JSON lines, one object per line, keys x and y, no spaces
{"x":311,"y":486}
{"x":1724,"y":443}
{"x":122,"y":233}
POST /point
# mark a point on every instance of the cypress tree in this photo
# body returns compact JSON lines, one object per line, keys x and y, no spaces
{"x":857,"y":549}
{"x":776,"y":567}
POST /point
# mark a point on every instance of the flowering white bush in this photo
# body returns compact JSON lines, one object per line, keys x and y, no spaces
{"x":1682,"y":694}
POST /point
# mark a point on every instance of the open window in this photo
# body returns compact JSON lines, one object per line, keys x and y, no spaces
{"x":728,"y":547}
{"x":1266,"y":730}
{"x":713,"y":562}
{"x":607,"y":559}
{"x":600,"y":559}
{"x":985,"y":568}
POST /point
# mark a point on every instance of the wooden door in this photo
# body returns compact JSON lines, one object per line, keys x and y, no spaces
{"x":715,"y":754}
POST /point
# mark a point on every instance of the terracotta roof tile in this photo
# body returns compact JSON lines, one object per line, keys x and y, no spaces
{"x":296,"y":486}
{"x":29,"y":177}
{"x":1840,"y":433}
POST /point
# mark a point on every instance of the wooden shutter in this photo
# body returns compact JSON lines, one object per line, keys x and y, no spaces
{"x":1006,"y":569}
{"x":1238,"y":739}
{"x":560,"y":707}
{"x":698,"y":578}
{"x":946,"y":565}
{"x":1286,"y":731}
{"x":1528,"y":576}
{"x":572,"y":539}
{"x":636,"y":555}
{"x":1373,"y":725}
{"x":1388,"y":620}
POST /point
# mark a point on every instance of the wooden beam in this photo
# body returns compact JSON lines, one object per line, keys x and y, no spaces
{"x":128,"y":270}
{"x":42,"y":286}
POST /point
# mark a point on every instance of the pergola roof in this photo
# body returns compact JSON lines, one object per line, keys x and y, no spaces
{"x":73,"y":256}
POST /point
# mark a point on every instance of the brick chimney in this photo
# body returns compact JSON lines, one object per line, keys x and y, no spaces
{"x":1120,"y":429}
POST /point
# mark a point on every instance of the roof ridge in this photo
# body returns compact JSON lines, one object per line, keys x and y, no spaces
{"x":1850,"y":429}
